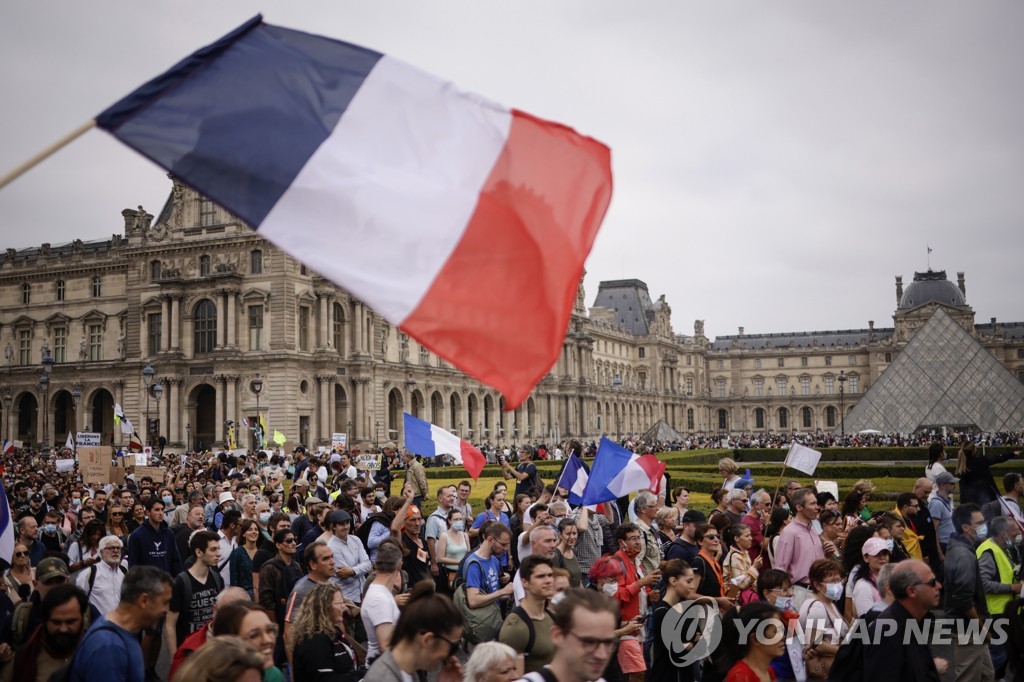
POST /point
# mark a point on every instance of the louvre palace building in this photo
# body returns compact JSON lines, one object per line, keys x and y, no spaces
{"x":207,"y":305}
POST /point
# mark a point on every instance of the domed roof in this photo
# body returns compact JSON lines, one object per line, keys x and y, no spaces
{"x":929,"y":287}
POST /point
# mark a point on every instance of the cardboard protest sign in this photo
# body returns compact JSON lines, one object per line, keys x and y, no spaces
{"x":156,"y":473}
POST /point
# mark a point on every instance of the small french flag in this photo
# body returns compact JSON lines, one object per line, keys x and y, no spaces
{"x":428,"y":440}
{"x":245,"y":422}
{"x":8,"y":447}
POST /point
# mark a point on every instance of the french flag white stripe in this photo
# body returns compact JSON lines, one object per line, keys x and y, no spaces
{"x":446,"y":443}
{"x":411,"y":151}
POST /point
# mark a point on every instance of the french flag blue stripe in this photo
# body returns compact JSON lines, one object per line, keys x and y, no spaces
{"x":418,"y":437}
{"x":232,"y":122}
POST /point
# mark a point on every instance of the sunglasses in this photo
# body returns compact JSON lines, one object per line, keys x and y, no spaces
{"x":711,"y":537}
{"x":288,"y":541}
{"x":930,"y":583}
{"x":20,"y":555}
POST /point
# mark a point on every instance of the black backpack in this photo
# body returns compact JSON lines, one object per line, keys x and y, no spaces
{"x":525,"y":617}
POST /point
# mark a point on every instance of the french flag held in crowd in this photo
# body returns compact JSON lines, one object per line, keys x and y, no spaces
{"x":462,"y":221}
{"x":428,"y":440}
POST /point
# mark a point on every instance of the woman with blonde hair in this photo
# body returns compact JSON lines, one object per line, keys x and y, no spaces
{"x":222,"y":659}
{"x":317,"y":642}
{"x":117,"y":522}
{"x":728,"y":468}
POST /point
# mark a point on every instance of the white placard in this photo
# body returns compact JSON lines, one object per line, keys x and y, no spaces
{"x":88,"y":440}
{"x":368,"y":462}
{"x":338,"y":440}
{"x":65,"y":466}
{"x":142,"y":458}
{"x":828,"y":487}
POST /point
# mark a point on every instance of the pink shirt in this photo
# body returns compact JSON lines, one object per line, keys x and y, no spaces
{"x":799,"y":547}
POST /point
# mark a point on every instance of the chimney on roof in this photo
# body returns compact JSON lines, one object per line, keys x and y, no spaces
{"x":741,"y":331}
{"x":961,"y":283}
{"x":899,"y":289}
{"x":871,"y":324}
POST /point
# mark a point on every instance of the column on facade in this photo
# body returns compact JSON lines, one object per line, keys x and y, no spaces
{"x":368,"y":427}
{"x":231,"y":401}
{"x":219,"y":297}
{"x":357,"y":327}
{"x":232,"y":330}
{"x":175,"y":323}
{"x":165,"y":319}
{"x":174,"y":410}
{"x":330,"y":426}
{"x":218,"y":412}
{"x":323,"y":326}
{"x":118,"y":400}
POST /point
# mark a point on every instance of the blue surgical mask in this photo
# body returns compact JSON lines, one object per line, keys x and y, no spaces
{"x":50,"y":529}
{"x":168,"y":500}
{"x":982,"y":532}
{"x":891,"y":545}
{"x":833,"y":590}
{"x":265,"y":518}
{"x":459,"y":525}
{"x":784,"y":603}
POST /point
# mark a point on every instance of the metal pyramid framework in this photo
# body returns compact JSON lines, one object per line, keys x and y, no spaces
{"x":943,"y":377}
{"x":661,"y":432}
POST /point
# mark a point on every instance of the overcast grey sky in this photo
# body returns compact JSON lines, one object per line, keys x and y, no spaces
{"x":776,"y":164}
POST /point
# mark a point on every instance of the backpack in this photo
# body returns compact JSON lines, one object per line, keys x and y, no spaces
{"x":186,"y":584}
{"x":92,"y":577}
{"x":481,"y":624}
{"x":848,"y":665}
{"x":19,"y":623}
{"x":532,"y":632}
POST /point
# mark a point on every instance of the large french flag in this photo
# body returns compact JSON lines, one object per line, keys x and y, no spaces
{"x":617,"y":472}
{"x":460,"y":220}
{"x":428,"y":440}
{"x":6,"y":527}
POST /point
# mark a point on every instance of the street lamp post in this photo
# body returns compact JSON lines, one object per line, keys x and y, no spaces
{"x":158,"y":392}
{"x":460,"y":430}
{"x":842,"y":412}
{"x":188,"y":438}
{"x":147,"y":381}
{"x":8,"y":400}
{"x":376,"y":437}
{"x":256,"y":386}
{"x":44,"y":386}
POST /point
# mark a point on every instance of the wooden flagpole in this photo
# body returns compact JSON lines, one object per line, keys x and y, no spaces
{"x":44,"y":154}
{"x":781,"y":475}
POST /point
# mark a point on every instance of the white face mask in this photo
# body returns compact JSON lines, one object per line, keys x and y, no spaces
{"x":557,"y":597}
{"x":833,"y":590}
{"x":610,"y":588}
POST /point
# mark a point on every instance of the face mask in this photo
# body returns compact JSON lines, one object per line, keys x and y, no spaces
{"x":380,"y":495}
{"x":891,"y":545}
{"x":265,"y":518}
{"x":49,"y":529}
{"x":982,"y":532}
{"x":75,"y":504}
{"x":610,"y":588}
{"x":168,"y":500}
{"x":833,"y":590}
{"x":784,"y":603}
{"x":557,"y":597}
{"x":459,"y":525}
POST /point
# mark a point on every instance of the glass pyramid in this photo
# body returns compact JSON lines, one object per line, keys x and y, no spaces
{"x":943,"y":377}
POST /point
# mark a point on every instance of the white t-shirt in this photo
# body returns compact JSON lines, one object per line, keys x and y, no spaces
{"x":378,"y":607}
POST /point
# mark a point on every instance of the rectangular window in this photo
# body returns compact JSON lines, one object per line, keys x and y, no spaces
{"x":24,"y":347}
{"x":758,"y":387}
{"x":720,"y":364}
{"x":256,"y":327}
{"x":853,"y":360}
{"x":207,"y":212}
{"x":689,"y":385}
{"x":641,"y":351}
{"x":720,"y":387}
{"x":204,"y":266}
{"x":829,"y":383}
{"x":853,"y":384}
{"x":95,"y":342}
{"x":97,"y":290}
{"x":256,"y":262}
{"x":689,"y":358}
{"x":689,"y":418}
{"x":828,"y":360}
{"x":781,"y":384}
{"x":1020,"y":353}
{"x":60,"y":345}
{"x":154,"y":271}
{"x":806,"y":415}
{"x":154,"y":324}
{"x":782,"y":362}
{"x":805,"y":386}
{"x":61,"y":290}
{"x":757,"y":363}
{"x":803,"y":361}
{"x":303,"y":328}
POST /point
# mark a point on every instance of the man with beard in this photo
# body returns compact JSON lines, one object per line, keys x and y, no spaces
{"x":53,"y":644}
{"x":183,"y":533}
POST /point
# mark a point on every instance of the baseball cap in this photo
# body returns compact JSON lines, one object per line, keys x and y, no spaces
{"x":694,"y":516}
{"x":946,"y":477}
{"x":50,"y":568}
{"x":36,"y":497}
{"x":301,"y":484}
{"x":875,"y":545}
{"x":339,"y":516}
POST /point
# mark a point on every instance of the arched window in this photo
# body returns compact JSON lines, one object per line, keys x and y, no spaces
{"x":805,"y":414}
{"x":783,"y":418}
{"x":205,"y":322}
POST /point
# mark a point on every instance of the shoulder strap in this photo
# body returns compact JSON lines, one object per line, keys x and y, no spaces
{"x":525,"y":617}
{"x":92,"y":578}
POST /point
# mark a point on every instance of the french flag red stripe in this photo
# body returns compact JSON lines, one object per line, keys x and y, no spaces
{"x":501,"y":302}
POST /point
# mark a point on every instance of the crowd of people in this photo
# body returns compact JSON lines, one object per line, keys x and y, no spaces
{"x":300,"y":567}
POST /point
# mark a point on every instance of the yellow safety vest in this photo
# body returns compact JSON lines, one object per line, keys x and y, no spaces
{"x":997,"y":602}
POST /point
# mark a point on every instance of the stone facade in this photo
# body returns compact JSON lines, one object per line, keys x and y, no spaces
{"x":209,"y":304}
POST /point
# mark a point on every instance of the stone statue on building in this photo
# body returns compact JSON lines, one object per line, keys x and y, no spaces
{"x":9,"y":354}
{"x":82,"y":355}
{"x":121,"y":345}
{"x":698,"y":327}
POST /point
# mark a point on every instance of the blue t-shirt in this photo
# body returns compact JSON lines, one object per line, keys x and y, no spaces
{"x":485,"y":516}
{"x":483,"y":574}
{"x":109,"y":652}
